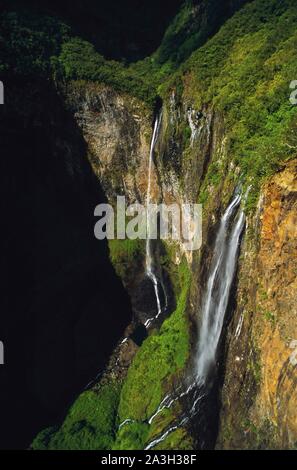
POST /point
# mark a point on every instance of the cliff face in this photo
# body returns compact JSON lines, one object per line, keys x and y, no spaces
{"x":117,"y":129}
{"x":257,"y":360}
{"x":217,"y":117}
{"x":259,"y":393}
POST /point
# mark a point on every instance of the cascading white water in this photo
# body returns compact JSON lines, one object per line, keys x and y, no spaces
{"x":221,"y":275}
{"x":213,"y":311}
{"x":149,"y":258}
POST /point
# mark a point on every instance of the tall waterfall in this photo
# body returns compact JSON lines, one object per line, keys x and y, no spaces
{"x":149,"y":256}
{"x":200,"y":393}
{"x":219,"y":283}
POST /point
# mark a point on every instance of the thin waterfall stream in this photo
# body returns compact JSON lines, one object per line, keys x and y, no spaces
{"x":149,"y":257}
{"x":149,"y":261}
{"x":201,"y":389}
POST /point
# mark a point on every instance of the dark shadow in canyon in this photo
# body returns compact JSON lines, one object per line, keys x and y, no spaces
{"x":62,"y":306}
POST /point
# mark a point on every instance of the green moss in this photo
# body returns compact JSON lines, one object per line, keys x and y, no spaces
{"x":214,"y":175}
{"x":131,"y":436}
{"x":269,"y":316}
{"x":92,"y":421}
{"x":177,"y":273}
{"x":162,"y":355}
{"x":254,"y":366}
{"x":89,"y":424}
{"x":186,"y":135}
{"x":124,"y":253}
{"x":178,"y":439}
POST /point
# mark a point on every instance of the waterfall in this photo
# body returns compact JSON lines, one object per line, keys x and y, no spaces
{"x":220,"y":279}
{"x":149,"y":256}
{"x":199,"y":394}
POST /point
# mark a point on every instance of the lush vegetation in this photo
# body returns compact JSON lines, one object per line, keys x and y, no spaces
{"x":28,"y":42}
{"x":244,"y":71}
{"x":44,"y":47}
{"x":163,"y":355}
{"x":92,"y":421}
{"x":36,"y":45}
{"x":124,"y":254}
{"x":119,"y":29}
{"x":89,"y":425}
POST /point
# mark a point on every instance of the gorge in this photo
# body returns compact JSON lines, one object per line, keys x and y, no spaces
{"x":143,"y":344}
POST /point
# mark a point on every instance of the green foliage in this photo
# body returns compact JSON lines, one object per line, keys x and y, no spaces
{"x":189,"y":30}
{"x":178,"y":439}
{"x":244,"y":71}
{"x":212,"y":178}
{"x":269,"y":316}
{"x":176,"y":34}
{"x":214,"y":173}
{"x":89,"y":424}
{"x":80,"y":61}
{"x":186,"y":135}
{"x":93,"y":419}
{"x":132,"y":436}
{"x":169,"y":252}
{"x":161,"y":356}
{"x":259,"y":436}
{"x":124,"y":253}
{"x":44,"y":47}
{"x":42,"y":440}
{"x":28,"y":41}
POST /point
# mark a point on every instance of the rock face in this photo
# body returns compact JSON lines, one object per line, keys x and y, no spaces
{"x":259,"y":355}
{"x":117,"y":129}
{"x":259,"y":394}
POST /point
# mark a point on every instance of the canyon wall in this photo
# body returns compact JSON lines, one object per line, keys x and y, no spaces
{"x":259,"y":391}
{"x":257,"y":359}
{"x":258,"y":356}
